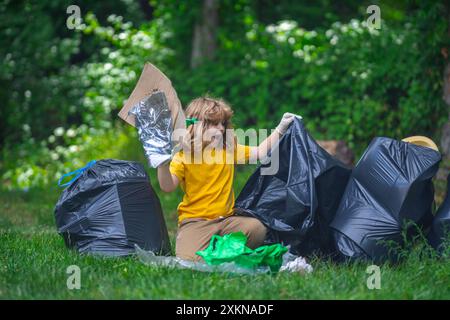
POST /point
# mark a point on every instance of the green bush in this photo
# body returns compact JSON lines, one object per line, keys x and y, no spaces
{"x":348,"y":82}
{"x":98,"y":133}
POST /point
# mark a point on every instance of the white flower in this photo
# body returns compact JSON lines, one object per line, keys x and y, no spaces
{"x":59,"y":131}
{"x":280,"y":37}
{"x":73,"y":149}
{"x":71,"y":133}
{"x":354,"y":23}
{"x":287,"y":25}
{"x":329,"y":33}
{"x":334,"y":40}
{"x":299,"y":53}
{"x":113,"y":55}
{"x":270,"y":28}
{"x":251,"y":34}
{"x":26,"y":127}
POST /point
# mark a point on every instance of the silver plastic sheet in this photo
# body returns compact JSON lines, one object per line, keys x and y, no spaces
{"x":153,"y":121}
{"x":150,"y":259}
{"x":291,"y":263}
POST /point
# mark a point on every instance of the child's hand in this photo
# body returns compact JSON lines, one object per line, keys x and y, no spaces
{"x":285,"y":122}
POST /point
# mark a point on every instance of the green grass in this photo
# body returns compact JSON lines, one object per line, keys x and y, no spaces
{"x":33,"y":263}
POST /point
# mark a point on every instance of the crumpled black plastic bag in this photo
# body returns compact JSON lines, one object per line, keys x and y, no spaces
{"x":300,"y":200}
{"x":390,"y":185}
{"x":110,"y":208}
{"x":440,"y":228}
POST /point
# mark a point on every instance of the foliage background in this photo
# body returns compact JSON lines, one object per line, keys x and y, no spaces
{"x":61,"y":89}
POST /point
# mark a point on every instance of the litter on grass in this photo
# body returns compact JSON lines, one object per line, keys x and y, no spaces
{"x":289,"y":261}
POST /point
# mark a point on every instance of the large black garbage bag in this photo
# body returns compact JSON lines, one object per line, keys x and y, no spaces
{"x":111,"y":207}
{"x":440,"y":228}
{"x":390,"y":185}
{"x":300,"y":200}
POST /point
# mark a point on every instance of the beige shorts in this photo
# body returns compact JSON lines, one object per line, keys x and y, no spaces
{"x":194,"y":234}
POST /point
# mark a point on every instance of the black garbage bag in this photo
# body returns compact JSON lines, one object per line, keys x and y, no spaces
{"x":298,"y":202}
{"x":390,"y":185}
{"x":109,"y":208}
{"x":440,"y":228}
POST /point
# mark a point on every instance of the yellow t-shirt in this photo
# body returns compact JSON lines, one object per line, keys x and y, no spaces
{"x":208,"y":186}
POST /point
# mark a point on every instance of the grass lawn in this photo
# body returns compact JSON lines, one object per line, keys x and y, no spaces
{"x":33,"y":263}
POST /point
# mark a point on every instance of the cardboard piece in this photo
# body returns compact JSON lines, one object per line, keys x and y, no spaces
{"x":152,"y":79}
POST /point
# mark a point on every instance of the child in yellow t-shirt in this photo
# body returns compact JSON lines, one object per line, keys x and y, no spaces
{"x":204,"y":169}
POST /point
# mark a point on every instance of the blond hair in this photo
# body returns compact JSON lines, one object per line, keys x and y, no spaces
{"x":209,"y":111}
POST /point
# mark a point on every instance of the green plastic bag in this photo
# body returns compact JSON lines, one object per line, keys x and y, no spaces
{"x":231,"y":248}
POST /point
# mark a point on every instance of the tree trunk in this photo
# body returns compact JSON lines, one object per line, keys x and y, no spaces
{"x":146,"y":8}
{"x":204,"y":43}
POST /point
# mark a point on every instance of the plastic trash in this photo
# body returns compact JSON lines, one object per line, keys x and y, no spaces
{"x":151,"y":80}
{"x":298,"y":264}
{"x":232,"y":248}
{"x":109,"y":208}
{"x":439,"y":235}
{"x":390,"y":185}
{"x":150,"y":259}
{"x":298,"y":202}
{"x":153,"y":120}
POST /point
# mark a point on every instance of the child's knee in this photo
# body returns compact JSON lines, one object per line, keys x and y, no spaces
{"x":256,"y":233}
{"x":188,"y":252}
